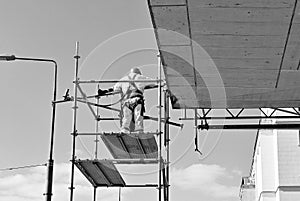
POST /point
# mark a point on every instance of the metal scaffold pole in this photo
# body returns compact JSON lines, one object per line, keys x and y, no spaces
{"x":95,"y":193}
{"x":159,"y":128}
{"x":125,"y":142}
{"x":167,"y":143}
{"x":75,"y":107}
{"x":97,"y":126}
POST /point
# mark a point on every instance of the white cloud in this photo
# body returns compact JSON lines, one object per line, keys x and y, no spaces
{"x":204,"y":179}
{"x":21,"y":187}
{"x":30,"y":184}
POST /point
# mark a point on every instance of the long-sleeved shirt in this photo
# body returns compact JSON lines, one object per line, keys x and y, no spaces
{"x":124,"y":87}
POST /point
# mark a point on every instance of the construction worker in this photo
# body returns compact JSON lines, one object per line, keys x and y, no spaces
{"x":133,"y":100}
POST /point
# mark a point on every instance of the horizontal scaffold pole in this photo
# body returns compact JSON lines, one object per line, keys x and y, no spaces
{"x":142,"y":186}
{"x":120,"y":133}
{"x":131,"y":186}
{"x":251,"y":126}
{"x":241,"y":117}
{"x":164,"y":121}
{"x":115,"y":81}
{"x":134,"y":161}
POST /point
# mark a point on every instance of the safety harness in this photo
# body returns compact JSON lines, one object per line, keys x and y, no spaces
{"x":134,"y":96}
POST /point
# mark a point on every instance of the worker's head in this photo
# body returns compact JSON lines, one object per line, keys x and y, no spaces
{"x":136,"y":70}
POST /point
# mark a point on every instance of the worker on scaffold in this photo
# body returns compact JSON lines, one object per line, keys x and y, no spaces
{"x":133,"y":100}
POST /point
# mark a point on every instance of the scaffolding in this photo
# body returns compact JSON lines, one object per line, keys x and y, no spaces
{"x":134,"y":148}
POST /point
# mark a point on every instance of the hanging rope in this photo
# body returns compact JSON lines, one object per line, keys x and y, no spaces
{"x":22,"y":167}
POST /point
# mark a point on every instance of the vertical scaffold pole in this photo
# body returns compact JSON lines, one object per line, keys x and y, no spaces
{"x":167,"y":141}
{"x":159,"y":127}
{"x":97,"y":126}
{"x":196,"y":130}
{"x":121,"y":113}
{"x":95,"y":193}
{"x":75,"y":107}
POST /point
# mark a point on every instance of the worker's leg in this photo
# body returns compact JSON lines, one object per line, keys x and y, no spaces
{"x":138,"y":117}
{"x":127,"y":117}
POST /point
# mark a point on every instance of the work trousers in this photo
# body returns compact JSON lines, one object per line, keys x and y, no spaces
{"x":132,"y":114}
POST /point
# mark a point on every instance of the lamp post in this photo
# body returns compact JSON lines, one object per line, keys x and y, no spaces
{"x":50,"y":161}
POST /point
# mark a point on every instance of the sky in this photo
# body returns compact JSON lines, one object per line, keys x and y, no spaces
{"x":113,"y":36}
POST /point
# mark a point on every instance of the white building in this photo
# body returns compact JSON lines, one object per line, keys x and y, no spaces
{"x":275,"y":170}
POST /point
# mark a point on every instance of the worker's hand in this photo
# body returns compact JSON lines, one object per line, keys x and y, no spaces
{"x":103,"y":92}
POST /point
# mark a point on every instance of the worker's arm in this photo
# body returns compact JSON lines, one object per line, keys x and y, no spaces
{"x":146,"y":85}
{"x":151,"y":86}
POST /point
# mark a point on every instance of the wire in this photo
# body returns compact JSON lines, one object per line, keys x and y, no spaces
{"x":22,"y":167}
{"x":111,"y":104}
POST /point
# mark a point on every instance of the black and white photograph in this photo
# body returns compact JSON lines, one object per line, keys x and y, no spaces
{"x":166,"y":100}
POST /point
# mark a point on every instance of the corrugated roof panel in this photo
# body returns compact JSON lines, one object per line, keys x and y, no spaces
{"x":126,"y":146}
{"x":110,"y":171}
{"x":150,"y":147}
{"x":133,"y":146}
{"x":115,"y":146}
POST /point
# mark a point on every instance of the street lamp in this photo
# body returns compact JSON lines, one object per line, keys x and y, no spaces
{"x":51,"y":161}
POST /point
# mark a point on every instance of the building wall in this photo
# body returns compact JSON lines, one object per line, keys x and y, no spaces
{"x":266,"y":160}
{"x":276,"y":167}
{"x":289,"y":195}
{"x":248,"y":194}
{"x":267,"y":196}
{"x":289,"y":158}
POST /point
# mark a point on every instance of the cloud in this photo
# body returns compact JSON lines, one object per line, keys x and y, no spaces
{"x":205,"y":179}
{"x":21,"y":187}
{"x":30,"y":184}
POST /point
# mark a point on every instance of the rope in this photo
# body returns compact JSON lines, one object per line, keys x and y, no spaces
{"x":22,"y":167}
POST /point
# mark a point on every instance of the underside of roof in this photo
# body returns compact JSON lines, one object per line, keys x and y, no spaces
{"x":229,"y":53}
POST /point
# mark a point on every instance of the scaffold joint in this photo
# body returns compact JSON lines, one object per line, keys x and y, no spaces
{"x":74,"y":133}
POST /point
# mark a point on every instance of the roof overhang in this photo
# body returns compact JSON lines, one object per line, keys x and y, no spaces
{"x":229,"y":53}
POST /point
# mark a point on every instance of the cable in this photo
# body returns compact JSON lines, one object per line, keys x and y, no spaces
{"x":111,"y":104}
{"x":22,"y":167}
